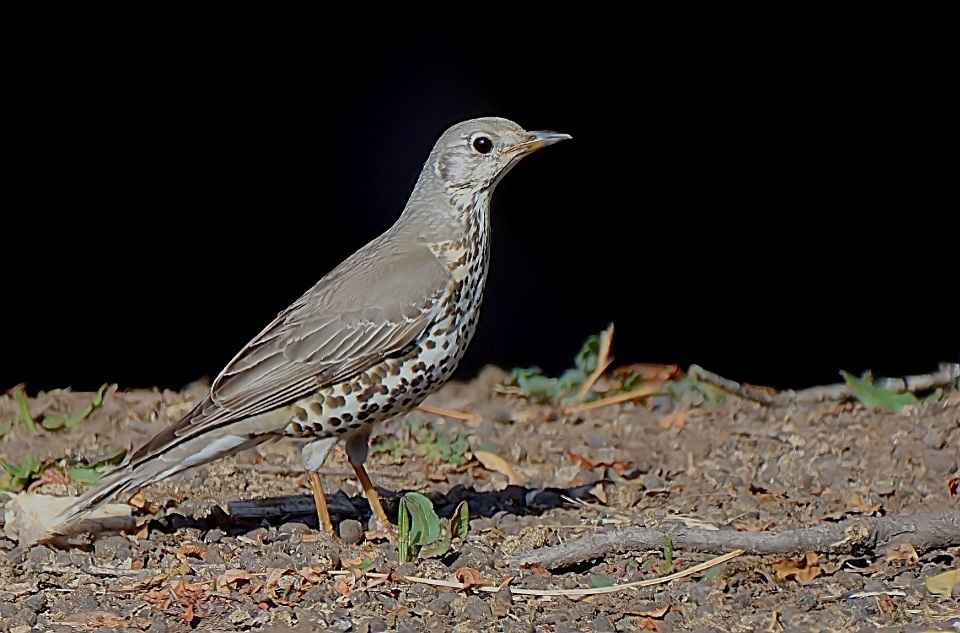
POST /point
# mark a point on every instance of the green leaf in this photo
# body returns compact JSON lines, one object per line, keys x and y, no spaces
{"x":437,"y":548}
{"x":18,"y":477}
{"x":586,"y":359}
{"x":21,"y":397}
{"x":600,"y":580}
{"x":668,"y":554}
{"x":54,"y":422}
{"x":84,"y":475}
{"x":460,"y":523}
{"x":110,"y":460}
{"x":404,"y":545}
{"x":421,"y":532}
{"x":873,"y":396}
{"x":5,"y":428}
{"x":424,"y":512}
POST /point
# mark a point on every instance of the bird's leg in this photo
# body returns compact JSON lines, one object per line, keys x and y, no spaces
{"x":314,"y":455}
{"x":373,"y":498}
{"x":357,"y":445}
{"x":320,"y":499}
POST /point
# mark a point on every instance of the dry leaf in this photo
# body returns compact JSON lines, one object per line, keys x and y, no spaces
{"x":658,"y":613}
{"x":470,"y":577}
{"x":191,"y":549}
{"x":494,"y":462}
{"x":342,"y":588}
{"x":676,"y":420}
{"x":944,"y":584}
{"x":648,"y":372}
{"x":953,"y":486}
{"x":312,"y":575}
{"x":647,"y":624}
{"x":588,"y":464}
{"x":539,"y":570}
{"x":904,"y":552}
{"x":804,"y":570}
{"x":139,"y":501}
{"x":857,"y":504}
{"x":232,"y":577}
{"x":188,"y":615}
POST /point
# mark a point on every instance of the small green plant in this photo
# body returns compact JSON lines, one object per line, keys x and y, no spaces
{"x":25,"y":418}
{"x":68,"y":421}
{"x":93,"y":474}
{"x":533,"y":384}
{"x":423,"y":534}
{"x":873,"y":396}
{"x":668,"y":555}
{"x":436,"y":446}
{"x":440,"y":446}
{"x":17,"y":477}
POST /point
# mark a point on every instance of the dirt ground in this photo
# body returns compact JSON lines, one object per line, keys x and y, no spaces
{"x":736,"y":465}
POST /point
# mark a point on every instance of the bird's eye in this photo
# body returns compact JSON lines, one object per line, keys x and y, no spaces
{"x":483,"y":144}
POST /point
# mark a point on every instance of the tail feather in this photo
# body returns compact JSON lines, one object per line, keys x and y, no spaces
{"x":129,"y":479}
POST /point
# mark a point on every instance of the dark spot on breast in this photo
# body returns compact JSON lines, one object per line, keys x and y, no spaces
{"x":347,"y":417}
{"x":335,"y":402}
{"x":334,"y":421}
{"x":383,"y":390}
{"x":429,"y":344}
{"x":363,"y":415}
{"x":342,"y":429}
{"x":300,"y":414}
{"x":347,"y":388}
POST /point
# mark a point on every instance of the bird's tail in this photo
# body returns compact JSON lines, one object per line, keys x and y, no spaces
{"x":128,"y":479}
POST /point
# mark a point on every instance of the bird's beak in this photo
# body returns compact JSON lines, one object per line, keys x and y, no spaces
{"x":538,"y":140}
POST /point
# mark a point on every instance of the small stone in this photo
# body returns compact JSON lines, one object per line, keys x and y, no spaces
{"x":343,"y":625}
{"x":23,"y":628}
{"x":36,"y":602}
{"x":293,"y":528}
{"x":376,"y":625}
{"x":238,"y":616}
{"x":502,"y":600}
{"x":214,"y":536}
{"x":351,"y":531}
{"x":602,"y":624}
{"x":477,"y":610}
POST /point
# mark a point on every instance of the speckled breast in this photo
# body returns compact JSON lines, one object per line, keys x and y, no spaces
{"x":400,"y":383}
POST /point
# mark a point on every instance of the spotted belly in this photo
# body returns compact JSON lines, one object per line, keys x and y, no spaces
{"x":391,"y":387}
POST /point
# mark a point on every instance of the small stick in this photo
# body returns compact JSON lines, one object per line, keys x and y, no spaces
{"x":945,"y":376}
{"x":639,"y":392}
{"x":449,"y":413}
{"x":603,"y":362}
{"x":572,"y":593}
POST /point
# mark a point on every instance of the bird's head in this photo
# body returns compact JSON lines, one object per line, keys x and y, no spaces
{"x":474,"y":155}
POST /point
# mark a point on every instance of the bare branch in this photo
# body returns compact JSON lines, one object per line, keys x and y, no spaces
{"x":925,"y":531}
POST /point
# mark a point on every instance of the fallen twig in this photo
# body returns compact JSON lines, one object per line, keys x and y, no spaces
{"x":925,"y":531}
{"x":450,"y":413}
{"x":640,"y":392}
{"x":603,"y":362}
{"x":572,"y":593}
{"x":947,"y":374}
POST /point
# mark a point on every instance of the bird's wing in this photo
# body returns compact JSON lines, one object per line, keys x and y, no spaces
{"x":371,"y":306}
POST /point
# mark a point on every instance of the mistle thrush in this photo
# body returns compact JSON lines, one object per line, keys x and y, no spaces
{"x":369,"y":341}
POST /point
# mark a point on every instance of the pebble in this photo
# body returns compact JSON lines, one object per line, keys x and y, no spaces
{"x":351,"y":531}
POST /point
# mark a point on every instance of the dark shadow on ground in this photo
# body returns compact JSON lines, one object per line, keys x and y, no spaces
{"x":275,"y":511}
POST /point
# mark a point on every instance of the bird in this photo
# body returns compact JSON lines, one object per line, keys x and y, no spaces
{"x":369,"y":341}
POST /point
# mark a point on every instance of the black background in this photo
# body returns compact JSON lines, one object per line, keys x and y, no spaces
{"x":774,"y":204}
